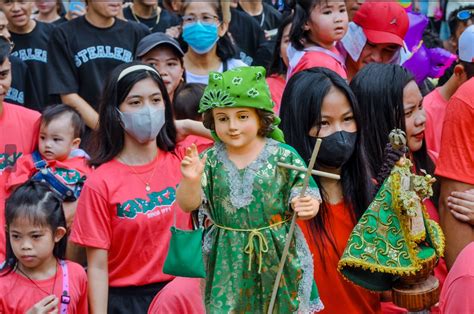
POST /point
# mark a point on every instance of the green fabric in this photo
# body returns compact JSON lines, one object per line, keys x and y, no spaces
{"x":263,"y":191}
{"x":184,"y":257}
{"x":381,"y":248}
{"x":240,"y":87}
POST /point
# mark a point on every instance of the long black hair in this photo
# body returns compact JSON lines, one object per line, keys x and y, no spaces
{"x":35,"y":202}
{"x":379,"y":91}
{"x":277,"y":66}
{"x":301,"y":111}
{"x":110,"y":137}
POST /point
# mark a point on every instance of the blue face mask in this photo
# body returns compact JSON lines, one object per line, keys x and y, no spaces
{"x":200,"y":37}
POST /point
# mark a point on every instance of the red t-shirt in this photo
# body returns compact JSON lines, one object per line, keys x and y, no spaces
{"x":117,"y":214}
{"x":19,"y":129}
{"x":435,"y":108}
{"x":276,"y":83}
{"x":457,"y":293}
{"x":337,"y":294}
{"x":19,"y":294}
{"x":456,"y":156}
{"x":313,"y":59}
{"x":182,"y":295}
{"x":68,"y":171}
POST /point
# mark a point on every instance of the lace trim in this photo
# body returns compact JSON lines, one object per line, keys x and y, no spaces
{"x":311,"y":191}
{"x":306,"y":284}
{"x":241,"y":186}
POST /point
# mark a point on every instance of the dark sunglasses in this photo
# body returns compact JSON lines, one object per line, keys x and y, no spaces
{"x":464,"y":15}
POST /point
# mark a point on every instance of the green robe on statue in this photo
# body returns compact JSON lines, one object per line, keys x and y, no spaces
{"x":251,"y":215}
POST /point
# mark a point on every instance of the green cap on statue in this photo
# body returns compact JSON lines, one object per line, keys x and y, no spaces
{"x":240,"y":87}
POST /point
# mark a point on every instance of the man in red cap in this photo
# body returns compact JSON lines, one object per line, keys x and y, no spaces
{"x":375,"y":35}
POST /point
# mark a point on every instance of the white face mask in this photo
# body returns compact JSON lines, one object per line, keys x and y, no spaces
{"x":144,"y":124}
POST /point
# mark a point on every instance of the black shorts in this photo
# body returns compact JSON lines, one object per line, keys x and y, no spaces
{"x":132,"y":299}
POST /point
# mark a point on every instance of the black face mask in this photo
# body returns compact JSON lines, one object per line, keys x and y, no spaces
{"x":336,"y":149}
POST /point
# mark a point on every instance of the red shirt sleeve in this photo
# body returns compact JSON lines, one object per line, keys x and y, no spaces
{"x":92,"y":223}
{"x":456,"y":157}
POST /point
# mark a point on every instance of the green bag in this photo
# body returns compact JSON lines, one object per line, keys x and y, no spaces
{"x":184,"y":257}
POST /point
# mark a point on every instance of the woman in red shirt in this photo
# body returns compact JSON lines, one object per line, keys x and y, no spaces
{"x":318,"y":103}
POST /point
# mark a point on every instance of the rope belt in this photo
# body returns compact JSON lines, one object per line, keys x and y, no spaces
{"x":251,"y":247}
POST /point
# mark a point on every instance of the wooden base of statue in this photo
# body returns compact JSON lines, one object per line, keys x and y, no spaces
{"x":417,"y":296}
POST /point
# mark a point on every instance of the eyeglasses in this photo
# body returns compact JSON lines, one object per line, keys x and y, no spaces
{"x":465,"y":14}
{"x":206,"y":19}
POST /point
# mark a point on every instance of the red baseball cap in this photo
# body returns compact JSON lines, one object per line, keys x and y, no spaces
{"x":383,"y":22}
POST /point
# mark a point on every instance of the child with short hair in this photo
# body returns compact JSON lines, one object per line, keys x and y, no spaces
{"x":250,"y":200}
{"x":317,"y":27}
{"x":35,"y":278}
{"x":58,"y":160}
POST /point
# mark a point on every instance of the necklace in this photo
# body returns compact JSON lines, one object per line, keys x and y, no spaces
{"x":138,"y":20}
{"x":147,"y":182}
{"x":32,"y":281}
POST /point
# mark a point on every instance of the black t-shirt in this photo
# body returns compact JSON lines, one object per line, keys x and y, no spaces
{"x":249,"y":37}
{"x":22,"y":92}
{"x":167,"y":19}
{"x":82,"y":55}
{"x":269,"y":19}
{"x":32,"y":48}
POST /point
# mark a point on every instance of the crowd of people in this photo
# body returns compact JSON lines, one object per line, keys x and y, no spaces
{"x":121,"y":121}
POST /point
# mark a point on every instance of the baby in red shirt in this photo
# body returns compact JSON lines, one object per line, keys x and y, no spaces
{"x":58,"y":160}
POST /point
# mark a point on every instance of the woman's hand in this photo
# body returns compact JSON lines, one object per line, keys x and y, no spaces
{"x":47,"y":305}
{"x":461,"y":205}
{"x":305,"y":207}
{"x":192,"y":166}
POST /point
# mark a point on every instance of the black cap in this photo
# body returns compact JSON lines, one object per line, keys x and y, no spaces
{"x":154,"y":40}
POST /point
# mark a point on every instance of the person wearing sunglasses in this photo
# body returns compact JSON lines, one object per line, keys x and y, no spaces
{"x":458,"y":21}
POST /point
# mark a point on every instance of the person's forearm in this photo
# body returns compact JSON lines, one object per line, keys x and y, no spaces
{"x":458,"y":234}
{"x":90,"y":116}
{"x":98,"y":280}
{"x":188,"y":195}
{"x":197,"y":128}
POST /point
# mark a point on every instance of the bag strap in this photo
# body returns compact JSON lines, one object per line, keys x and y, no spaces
{"x":45,"y":173}
{"x":39,"y":162}
{"x":65,"y":298}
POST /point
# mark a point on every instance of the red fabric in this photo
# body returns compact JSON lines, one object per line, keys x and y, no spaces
{"x":276,"y":83}
{"x":313,"y":59}
{"x":337,"y":294}
{"x":19,"y":129}
{"x":182,"y":295}
{"x":19,"y":294}
{"x":435,"y":108}
{"x":202,"y":143}
{"x":25,"y":169}
{"x":457,"y":293}
{"x":117,"y":214}
{"x":456,"y":156}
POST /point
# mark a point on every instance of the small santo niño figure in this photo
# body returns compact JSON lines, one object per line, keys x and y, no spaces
{"x":395,"y":245}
